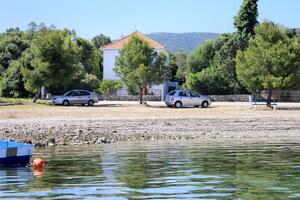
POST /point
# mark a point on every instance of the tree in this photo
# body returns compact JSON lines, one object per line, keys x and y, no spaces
{"x":11,"y":84}
{"x":173,"y":66}
{"x":100,"y":41}
{"x":180,"y":60}
{"x":246,"y":19}
{"x":12,"y":44}
{"x":225,"y":59}
{"x":210,"y":80}
{"x":212,"y":67}
{"x":219,"y":56}
{"x":55,"y":62}
{"x":109,"y":86}
{"x":201,"y":57}
{"x":272,"y":61}
{"x":139,"y":65}
{"x":90,"y":57}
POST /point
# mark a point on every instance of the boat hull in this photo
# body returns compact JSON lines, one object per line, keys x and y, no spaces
{"x":15,"y":160}
{"x":12,"y":153}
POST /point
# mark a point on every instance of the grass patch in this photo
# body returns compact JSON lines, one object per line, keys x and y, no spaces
{"x":20,"y":101}
{"x":14,"y":101}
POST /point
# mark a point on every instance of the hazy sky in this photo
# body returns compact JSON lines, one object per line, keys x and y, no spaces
{"x":120,"y":17}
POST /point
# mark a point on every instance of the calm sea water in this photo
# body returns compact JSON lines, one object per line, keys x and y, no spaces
{"x":159,"y":171}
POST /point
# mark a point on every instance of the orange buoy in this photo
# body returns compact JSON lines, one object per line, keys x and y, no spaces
{"x":38,"y":163}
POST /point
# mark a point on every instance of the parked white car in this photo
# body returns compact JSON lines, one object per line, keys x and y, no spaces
{"x":72,"y":97}
{"x":182,"y":98}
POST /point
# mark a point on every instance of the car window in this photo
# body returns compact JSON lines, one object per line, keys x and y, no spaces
{"x":80,"y":93}
{"x":183,"y":94}
{"x":84,"y":93}
{"x":76,"y":94}
{"x":194,"y":94}
{"x":172,"y":93}
{"x":69,"y":93}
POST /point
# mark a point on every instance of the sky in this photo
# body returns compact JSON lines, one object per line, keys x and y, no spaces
{"x":121,"y":17}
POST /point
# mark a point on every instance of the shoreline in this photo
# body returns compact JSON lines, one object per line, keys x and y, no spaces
{"x":72,"y":132}
{"x":110,"y":122}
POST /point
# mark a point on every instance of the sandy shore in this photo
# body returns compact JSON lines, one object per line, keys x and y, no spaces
{"x":127,"y":121}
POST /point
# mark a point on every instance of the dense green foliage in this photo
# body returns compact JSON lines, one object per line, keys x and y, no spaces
{"x":246,"y":19}
{"x":175,"y":42}
{"x":11,"y":84}
{"x":12,"y":44}
{"x":272,"y":60}
{"x":45,"y":56}
{"x":212,"y":65}
{"x":139,"y":65}
{"x":100,"y":41}
{"x":177,"y":65}
{"x":109,"y":86}
{"x":55,"y":57}
{"x":180,"y":61}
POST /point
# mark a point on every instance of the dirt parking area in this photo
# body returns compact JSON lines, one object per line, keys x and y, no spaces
{"x":153,"y":110}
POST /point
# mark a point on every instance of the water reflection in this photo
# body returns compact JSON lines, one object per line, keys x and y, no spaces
{"x":160,"y":171}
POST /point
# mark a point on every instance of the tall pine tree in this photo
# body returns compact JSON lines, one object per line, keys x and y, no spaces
{"x":245,"y":21}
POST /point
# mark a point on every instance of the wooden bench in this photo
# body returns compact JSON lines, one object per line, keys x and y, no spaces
{"x":258,"y":102}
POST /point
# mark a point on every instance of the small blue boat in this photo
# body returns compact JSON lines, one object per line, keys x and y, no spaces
{"x":13,"y":153}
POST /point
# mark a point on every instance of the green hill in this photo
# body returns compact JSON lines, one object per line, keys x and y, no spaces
{"x":181,"y":41}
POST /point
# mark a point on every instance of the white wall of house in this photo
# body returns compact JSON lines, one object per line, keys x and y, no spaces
{"x":109,"y":59}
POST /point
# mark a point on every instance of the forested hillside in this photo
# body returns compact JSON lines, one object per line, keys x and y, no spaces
{"x":182,"y":41}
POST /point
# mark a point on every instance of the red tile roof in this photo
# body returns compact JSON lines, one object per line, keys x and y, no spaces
{"x":118,"y":44}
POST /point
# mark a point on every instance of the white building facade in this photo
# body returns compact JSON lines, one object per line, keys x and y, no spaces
{"x":110,"y":54}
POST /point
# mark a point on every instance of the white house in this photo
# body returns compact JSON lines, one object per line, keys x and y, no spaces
{"x":111,"y":52}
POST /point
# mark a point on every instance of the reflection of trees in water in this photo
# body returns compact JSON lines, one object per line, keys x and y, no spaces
{"x":252,"y":169}
{"x":257,"y":173}
{"x":139,"y":167}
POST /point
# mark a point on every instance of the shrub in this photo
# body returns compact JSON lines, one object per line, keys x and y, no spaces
{"x":109,"y":86}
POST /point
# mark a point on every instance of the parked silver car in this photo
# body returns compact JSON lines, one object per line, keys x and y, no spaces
{"x":76,"y":97}
{"x":179,"y":98}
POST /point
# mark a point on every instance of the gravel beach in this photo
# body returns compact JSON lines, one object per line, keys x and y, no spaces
{"x":109,"y":122}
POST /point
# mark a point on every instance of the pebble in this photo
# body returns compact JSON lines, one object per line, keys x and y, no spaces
{"x":57,"y":132}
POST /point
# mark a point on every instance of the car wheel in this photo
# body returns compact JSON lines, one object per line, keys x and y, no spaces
{"x":178,"y":104}
{"x":90,"y":103}
{"x":170,"y":106}
{"x":82,"y":104}
{"x":204,"y":104}
{"x":66,"y":103}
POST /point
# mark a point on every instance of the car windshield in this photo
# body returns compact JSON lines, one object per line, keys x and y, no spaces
{"x":69,"y":93}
